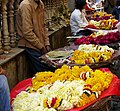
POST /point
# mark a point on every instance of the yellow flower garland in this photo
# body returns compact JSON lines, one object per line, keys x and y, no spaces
{"x":97,"y":79}
{"x":91,"y":57}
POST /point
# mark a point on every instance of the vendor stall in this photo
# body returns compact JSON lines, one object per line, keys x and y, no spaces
{"x":95,"y":56}
{"x":82,"y":79}
{"x":68,"y":93}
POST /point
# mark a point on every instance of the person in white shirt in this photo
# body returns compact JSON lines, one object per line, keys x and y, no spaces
{"x":78,"y":19}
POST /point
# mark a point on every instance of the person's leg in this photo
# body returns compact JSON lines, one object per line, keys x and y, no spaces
{"x":36,"y":65}
{"x":4,"y":94}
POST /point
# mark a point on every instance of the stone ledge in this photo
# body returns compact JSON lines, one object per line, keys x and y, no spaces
{"x":6,"y":57}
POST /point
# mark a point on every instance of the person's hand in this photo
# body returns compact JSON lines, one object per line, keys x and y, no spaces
{"x":2,"y":71}
{"x":44,"y":50}
{"x":48,"y":48}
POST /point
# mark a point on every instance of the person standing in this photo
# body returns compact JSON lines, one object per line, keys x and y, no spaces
{"x":30,"y":23}
{"x":116,"y":10}
{"x":109,"y":5}
{"x":78,"y":20}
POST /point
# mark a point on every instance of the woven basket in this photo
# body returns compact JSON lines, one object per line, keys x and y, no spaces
{"x":101,"y":105}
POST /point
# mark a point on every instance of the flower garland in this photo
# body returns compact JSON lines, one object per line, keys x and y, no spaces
{"x":66,"y":88}
{"x":104,"y":24}
{"x":87,"y":54}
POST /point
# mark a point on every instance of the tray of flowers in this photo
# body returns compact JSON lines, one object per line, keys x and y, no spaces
{"x":100,"y":37}
{"x":66,"y":89}
{"x":93,"y":55}
{"x":97,"y":16}
{"x":102,"y":21}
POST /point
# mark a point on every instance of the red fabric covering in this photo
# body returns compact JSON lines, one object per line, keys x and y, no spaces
{"x":114,"y":89}
{"x":87,"y":8}
{"x":21,"y":86}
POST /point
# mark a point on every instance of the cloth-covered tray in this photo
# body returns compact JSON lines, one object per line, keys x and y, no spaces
{"x":114,"y":89}
{"x":56,"y":55}
{"x":59,"y":62}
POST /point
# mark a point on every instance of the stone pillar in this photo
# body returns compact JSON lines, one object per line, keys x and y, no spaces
{"x":11,"y":23}
{"x":6,"y":38}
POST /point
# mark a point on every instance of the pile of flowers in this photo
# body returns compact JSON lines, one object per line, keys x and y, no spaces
{"x":103,"y":24}
{"x":87,"y":54}
{"x":94,"y":48}
{"x":66,"y":88}
{"x":110,"y":37}
{"x":101,"y":16}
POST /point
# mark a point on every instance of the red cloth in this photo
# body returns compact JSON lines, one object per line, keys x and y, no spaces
{"x":87,"y":8}
{"x":114,"y":89}
{"x":21,"y":86}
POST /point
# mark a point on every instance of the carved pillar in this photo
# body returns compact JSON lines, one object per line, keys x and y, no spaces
{"x":65,"y":2}
{"x":16,"y":4}
{"x":1,"y":50}
{"x":6,"y":39}
{"x":11,"y":23}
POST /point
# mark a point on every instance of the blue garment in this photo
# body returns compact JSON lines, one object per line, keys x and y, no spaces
{"x":116,"y":12}
{"x":4,"y":94}
{"x":35,"y":63}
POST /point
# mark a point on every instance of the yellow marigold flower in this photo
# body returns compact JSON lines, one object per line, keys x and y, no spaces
{"x":57,"y":104}
{"x":106,"y":85}
{"x":92,"y":97}
{"x":85,"y":68}
{"x":85,"y":99}
{"x":63,"y":77}
{"x":65,"y":67}
{"x":97,"y":87}
{"x":90,"y":81}
{"x":44,"y":103}
{"x":71,"y":78}
{"x":98,"y":72}
{"x":37,"y":85}
{"x":58,"y":71}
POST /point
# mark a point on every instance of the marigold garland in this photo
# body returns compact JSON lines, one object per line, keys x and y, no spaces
{"x":66,"y":88}
{"x":91,"y":57}
{"x":97,"y":79}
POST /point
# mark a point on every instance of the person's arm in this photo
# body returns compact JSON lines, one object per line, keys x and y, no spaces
{"x":114,"y":11}
{"x":27,"y":24}
{"x":84,"y":16}
{"x":78,"y":18}
{"x":47,"y":43}
{"x":2,"y":71}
